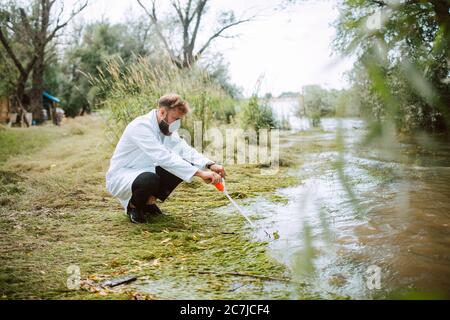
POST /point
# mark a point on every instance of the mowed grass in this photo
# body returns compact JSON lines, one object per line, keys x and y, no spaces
{"x":55,"y":212}
{"x":15,"y":141}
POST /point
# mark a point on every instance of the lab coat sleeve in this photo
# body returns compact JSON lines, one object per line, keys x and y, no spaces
{"x":189,"y":153}
{"x":142,"y":136}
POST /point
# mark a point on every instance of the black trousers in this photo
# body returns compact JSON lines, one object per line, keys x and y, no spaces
{"x":159,"y":184}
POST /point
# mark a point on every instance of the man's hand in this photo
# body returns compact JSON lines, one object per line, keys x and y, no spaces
{"x":217,"y":168}
{"x":209,"y":176}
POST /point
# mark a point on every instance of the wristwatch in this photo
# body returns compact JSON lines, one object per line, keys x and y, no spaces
{"x":209,"y":164}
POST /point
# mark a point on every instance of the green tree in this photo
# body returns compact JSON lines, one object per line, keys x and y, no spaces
{"x":402,"y":50}
{"x":92,"y":47}
{"x":34,"y":25}
{"x":16,"y":51}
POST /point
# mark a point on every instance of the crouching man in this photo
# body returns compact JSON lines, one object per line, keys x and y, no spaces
{"x":151,"y":159}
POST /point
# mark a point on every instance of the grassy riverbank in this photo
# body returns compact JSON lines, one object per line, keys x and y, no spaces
{"x":55,"y":212}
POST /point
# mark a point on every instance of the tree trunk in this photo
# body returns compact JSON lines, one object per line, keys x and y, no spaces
{"x":20,"y":90}
{"x":37,"y":89}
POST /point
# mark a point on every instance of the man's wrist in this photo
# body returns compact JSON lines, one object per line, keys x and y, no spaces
{"x":209,"y":164}
{"x":199,"y":173}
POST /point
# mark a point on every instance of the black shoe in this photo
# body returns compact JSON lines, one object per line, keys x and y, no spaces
{"x":152,"y":209}
{"x":136,"y":215}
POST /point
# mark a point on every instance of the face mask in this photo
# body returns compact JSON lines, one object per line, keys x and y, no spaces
{"x":167,"y":129}
{"x":174,"y":126}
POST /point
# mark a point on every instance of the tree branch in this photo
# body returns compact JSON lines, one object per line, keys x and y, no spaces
{"x":11,"y":53}
{"x":198,"y":11}
{"x":5,"y":59}
{"x":218,"y":33}
{"x":62,"y":25}
{"x":154,"y":20}
{"x":30,"y":65}
{"x":187,"y":11}
{"x":26,"y":23}
{"x":184,"y":22}
{"x":177,"y":6}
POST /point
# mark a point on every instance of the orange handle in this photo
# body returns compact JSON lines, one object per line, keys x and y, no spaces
{"x":219,"y":186}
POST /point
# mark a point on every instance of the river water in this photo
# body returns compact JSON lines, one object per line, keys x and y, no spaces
{"x":364,"y":222}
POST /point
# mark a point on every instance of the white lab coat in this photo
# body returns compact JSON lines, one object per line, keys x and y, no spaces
{"x":143,"y":147}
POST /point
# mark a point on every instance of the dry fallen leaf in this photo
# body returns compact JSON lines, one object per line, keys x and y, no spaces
{"x":156,"y":262}
{"x":165,"y":240}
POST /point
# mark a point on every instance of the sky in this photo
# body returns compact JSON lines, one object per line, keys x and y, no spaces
{"x":285,"y":48}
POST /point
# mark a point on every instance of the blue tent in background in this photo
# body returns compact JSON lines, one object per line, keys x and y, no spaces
{"x":50,"y":106}
{"x":50,"y":97}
